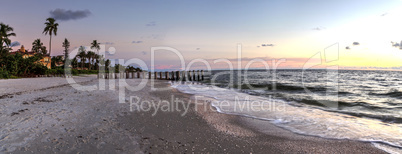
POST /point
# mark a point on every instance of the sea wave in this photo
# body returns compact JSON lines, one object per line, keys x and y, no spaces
{"x":391,"y":93}
{"x":275,"y":86}
{"x":310,"y":120}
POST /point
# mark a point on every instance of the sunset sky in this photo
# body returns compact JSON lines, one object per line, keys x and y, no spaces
{"x":293,"y":30}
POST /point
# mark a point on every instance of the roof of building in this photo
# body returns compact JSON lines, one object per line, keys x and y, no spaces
{"x":22,"y":51}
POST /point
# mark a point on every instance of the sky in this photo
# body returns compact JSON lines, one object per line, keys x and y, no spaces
{"x":281,"y":33}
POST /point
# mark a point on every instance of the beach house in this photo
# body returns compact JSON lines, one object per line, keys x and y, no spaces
{"x":45,"y":61}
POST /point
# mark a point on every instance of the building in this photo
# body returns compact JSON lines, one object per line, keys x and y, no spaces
{"x":45,"y":61}
{"x":60,"y":60}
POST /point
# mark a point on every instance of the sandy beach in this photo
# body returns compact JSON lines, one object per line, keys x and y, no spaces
{"x":47,"y":115}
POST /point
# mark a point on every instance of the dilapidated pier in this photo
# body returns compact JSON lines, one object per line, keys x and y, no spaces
{"x":193,"y":75}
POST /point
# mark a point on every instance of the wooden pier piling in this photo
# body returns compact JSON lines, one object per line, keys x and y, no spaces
{"x":191,"y":75}
{"x":198,"y":75}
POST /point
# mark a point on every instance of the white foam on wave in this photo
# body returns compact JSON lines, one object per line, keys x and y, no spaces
{"x":387,"y":148}
{"x":301,"y":120}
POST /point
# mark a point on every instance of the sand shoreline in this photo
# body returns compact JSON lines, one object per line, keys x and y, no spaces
{"x":58,"y":118}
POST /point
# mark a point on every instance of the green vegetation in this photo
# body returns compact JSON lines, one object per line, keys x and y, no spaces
{"x":66,"y":46}
{"x":85,"y":62}
{"x":37,"y":47}
{"x":16,"y":65}
{"x":51,"y":28}
{"x":12,"y":66}
{"x":92,"y":55}
{"x":5,"y":42}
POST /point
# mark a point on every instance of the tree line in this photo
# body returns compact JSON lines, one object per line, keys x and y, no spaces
{"x":85,"y":62}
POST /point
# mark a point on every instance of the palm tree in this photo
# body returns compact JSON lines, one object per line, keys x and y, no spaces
{"x":82,"y":55}
{"x":74,"y":63}
{"x":51,"y":28}
{"x":95,"y":46}
{"x":43,"y":50}
{"x":5,"y":33}
{"x":90,"y":56}
{"x":5,"y":42}
{"x":66,"y":45}
{"x":107,"y":64}
{"x":97,"y":58}
{"x":37,"y":46}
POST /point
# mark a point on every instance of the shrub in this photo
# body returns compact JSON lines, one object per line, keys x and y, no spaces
{"x":4,"y":74}
{"x":74,"y":72}
{"x":60,"y":71}
{"x":39,"y":69}
{"x":94,"y":72}
{"x":51,"y":71}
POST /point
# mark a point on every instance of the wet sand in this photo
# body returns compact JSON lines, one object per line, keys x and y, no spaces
{"x":50,"y":116}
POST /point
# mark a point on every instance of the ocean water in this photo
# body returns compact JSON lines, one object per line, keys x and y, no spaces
{"x":341,"y":104}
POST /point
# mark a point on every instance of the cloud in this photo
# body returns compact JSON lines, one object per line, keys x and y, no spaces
{"x":397,"y":45}
{"x":144,"y":52}
{"x":154,"y":36}
{"x":108,"y":43}
{"x":150,"y":24}
{"x":267,"y":45}
{"x":136,"y":42}
{"x":65,"y":15}
{"x":318,"y":28}
{"x":347,"y":48}
{"x":15,"y":43}
{"x":356,"y":43}
{"x":197,"y":49}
